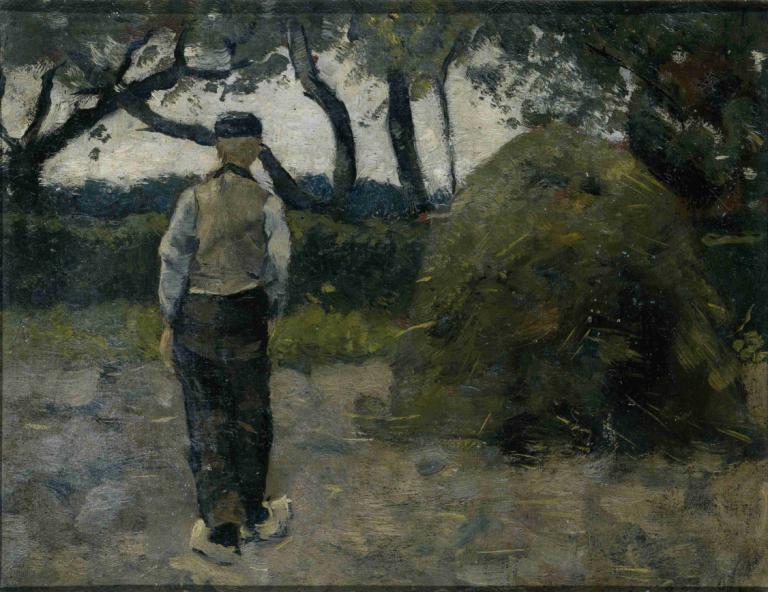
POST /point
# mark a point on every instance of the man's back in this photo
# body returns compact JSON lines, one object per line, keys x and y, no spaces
{"x":230,"y":233}
{"x":227,"y":235}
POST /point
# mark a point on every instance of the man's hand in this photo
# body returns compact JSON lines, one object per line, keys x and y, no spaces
{"x":271,"y":327}
{"x":166,"y":345}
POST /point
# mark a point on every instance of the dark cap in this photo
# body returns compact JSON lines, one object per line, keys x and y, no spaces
{"x":236,"y":125}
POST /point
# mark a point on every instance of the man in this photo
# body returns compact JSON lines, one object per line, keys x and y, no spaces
{"x":222,"y":284}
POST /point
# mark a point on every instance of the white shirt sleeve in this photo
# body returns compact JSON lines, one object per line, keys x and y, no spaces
{"x":278,"y":252}
{"x":262,"y":177}
{"x":177,"y":249}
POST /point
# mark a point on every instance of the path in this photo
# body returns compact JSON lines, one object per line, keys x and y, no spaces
{"x":96,"y":491}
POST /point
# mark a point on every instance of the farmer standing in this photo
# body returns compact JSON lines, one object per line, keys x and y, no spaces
{"x":222,"y":283}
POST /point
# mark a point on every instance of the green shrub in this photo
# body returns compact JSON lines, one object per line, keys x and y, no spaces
{"x":82,"y":260}
{"x":372,"y":264}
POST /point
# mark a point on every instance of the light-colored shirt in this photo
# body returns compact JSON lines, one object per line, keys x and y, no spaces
{"x":179,"y":246}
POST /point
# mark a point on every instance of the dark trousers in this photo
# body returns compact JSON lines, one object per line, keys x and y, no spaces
{"x":220,"y":357}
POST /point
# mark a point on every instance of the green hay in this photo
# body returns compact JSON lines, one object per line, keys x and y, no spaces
{"x":564,"y":298}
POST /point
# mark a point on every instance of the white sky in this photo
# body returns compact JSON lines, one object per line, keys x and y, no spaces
{"x":295,"y":128}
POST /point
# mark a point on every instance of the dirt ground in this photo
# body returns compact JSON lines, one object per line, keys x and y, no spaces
{"x":96,"y":490}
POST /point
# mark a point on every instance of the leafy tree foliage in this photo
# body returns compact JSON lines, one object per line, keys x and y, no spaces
{"x":690,"y":82}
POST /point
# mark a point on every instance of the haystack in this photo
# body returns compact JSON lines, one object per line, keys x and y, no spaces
{"x":563,"y":300}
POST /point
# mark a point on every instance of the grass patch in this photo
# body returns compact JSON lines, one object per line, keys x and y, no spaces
{"x":314,"y":335}
{"x":116,"y":331}
{"x":120,"y":331}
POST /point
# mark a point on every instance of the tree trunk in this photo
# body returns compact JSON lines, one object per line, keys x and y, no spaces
{"x":442,"y":97}
{"x":458,"y":47}
{"x":403,"y":137}
{"x":345,"y":167}
{"x":22,"y":202}
{"x":21,"y":184}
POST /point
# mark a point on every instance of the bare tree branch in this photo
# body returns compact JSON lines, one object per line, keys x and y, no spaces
{"x":133,"y":97}
{"x":655,"y":86}
{"x":130,"y":52}
{"x":93,"y":74}
{"x":285,"y":186}
{"x":204,"y":74}
{"x":45,"y":146}
{"x":7,"y":138}
{"x":179,"y":59}
{"x":163,"y":80}
{"x":159,"y":124}
{"x":83,"y":119}
{"x":42,"y":107}
{"x":4,"y":135}
{"x":353,"y":30}
{"x":298,"y":47}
